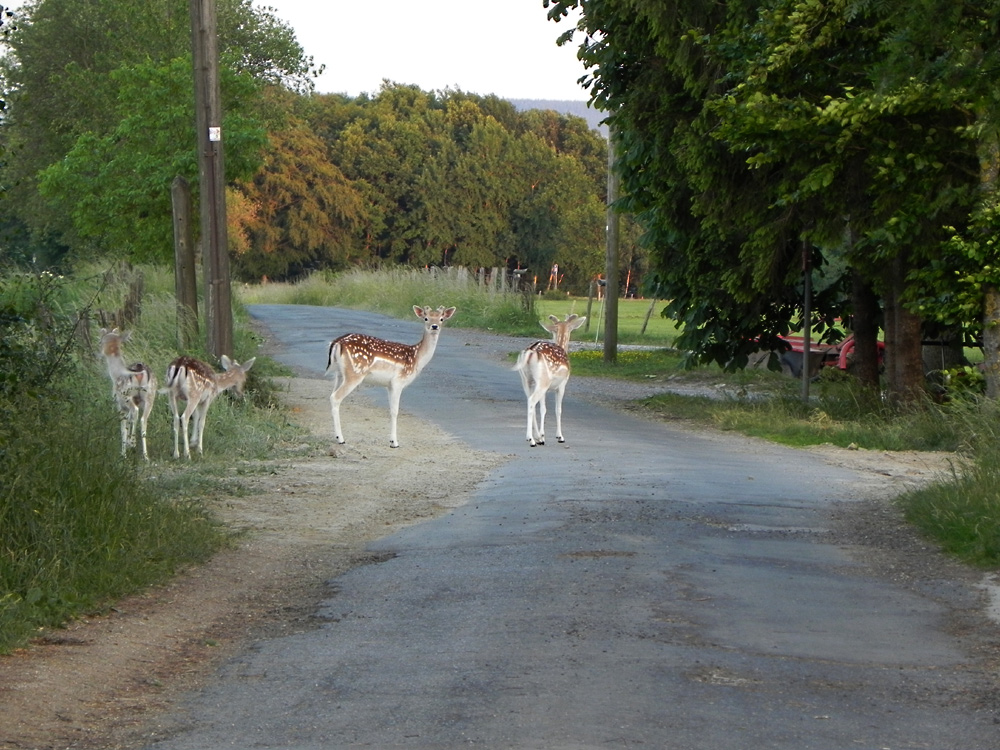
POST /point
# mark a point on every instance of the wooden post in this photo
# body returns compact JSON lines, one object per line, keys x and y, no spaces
{"x":806,"y":320}
{"x":649,"y":313}
{"x":185,"y":276}
{"x":611,"y":261}
{"x":590,"y":304}
{"x":214,"y":240}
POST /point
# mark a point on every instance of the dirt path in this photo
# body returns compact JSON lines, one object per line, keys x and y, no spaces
{"x":103,"y":681}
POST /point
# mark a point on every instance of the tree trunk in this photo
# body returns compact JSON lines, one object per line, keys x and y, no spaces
{"x":865,"y":328}
{"x":990,"y":174}
{"x":903,"y":342}
{"x":991,"y":341}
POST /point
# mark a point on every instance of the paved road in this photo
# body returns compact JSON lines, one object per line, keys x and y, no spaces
{"x":638,"y":586}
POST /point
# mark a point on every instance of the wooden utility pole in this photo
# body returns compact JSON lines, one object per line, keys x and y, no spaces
{"x":806,"y":320}
{"x":611,"y":261}
{"x":208,"y":118}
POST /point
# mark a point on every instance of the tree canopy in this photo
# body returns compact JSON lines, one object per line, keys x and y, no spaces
{"x":850,"y":132}
{"x":101,"y":122}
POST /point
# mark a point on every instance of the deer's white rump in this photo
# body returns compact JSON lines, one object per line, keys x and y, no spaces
{"x":356,"y":358}
{"x":193,"y":381}
{"x":133,"y":388}
{"x":544,"y":367}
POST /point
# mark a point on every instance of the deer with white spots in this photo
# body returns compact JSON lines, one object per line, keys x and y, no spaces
{"x":133,"y":387}
{"x":196,"y":383}
{"x":356,"y":358}
{"x":544,"y":367}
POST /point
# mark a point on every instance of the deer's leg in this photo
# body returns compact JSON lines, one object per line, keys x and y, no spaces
{"x":147,"y":405}
{"x":124,"y":428}
{"x":540,"y":426}
{"x":522,"y":370}
{"x":560,"y":390}
{"x":177,"y":422}
{"x":133,"y":422}
{"x":536,"y":419}
{"x":528,"y":369}
{"x":394,"y":393}
{"x":531,"y":423}
{"x":342,"y":391}
{"x":189,"y":409}
{"x":198,"y":430}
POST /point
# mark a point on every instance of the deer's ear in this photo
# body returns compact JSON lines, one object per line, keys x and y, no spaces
{"x":448,"y":313}
{"x":226,"y":362}
{"x":418,"y":311}
{"x":248,"y":364}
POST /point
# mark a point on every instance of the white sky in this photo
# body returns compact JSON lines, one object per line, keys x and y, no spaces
{"x":503,"y":47}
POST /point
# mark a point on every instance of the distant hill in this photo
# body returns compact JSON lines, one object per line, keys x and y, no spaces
{"x":580,"y":109}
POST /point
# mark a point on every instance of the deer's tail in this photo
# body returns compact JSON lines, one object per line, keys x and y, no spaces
{"x":523,"y":360}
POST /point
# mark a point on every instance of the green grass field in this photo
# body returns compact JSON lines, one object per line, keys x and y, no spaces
{"x":632,"y":316}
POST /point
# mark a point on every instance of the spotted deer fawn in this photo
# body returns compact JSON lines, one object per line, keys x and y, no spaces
{"x":133,"y":388}
{"x":544,"y":367}
{"x":356,"y":358}
{"x":196,"y":383}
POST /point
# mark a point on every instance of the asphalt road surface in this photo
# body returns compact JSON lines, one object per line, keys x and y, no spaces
{"x":638,"y":586}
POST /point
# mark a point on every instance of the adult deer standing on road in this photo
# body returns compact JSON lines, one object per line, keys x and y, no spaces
{"x":193,"y":381}
{"x":133,"y":387}
{"x":357,"y":358}
{"x":543,"y":367}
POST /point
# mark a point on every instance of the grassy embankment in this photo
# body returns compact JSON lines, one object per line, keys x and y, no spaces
{"x":79,"y":525}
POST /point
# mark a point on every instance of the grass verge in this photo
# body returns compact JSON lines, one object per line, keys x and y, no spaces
{"x":81,"y":526}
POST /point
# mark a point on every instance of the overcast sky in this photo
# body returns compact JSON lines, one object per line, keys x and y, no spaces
{"x":503,"y":47}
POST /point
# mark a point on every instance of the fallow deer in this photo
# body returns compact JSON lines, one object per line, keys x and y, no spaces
{"x":543,"y":367}
{"x":196,"y":383}
{"x":133,"y":388}
{"x":356,"y":358}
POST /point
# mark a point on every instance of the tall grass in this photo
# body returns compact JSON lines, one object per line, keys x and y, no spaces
{"x":395,"y":291}
{"x":639,"y":320}
{"x":962,"y":513}
{"x":79,"y":524}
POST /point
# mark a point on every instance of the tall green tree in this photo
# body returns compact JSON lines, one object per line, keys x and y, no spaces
{"x":383,"y":152}
{"x":752,"y":129}
{"x":115,"y":188}
{"x":303,"y":211}
{"x":58,"y":79}
{"x":692,"y":195}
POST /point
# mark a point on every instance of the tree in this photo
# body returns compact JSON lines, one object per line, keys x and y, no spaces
{"x":383,"y":152}
{"x":115,"y":188}
{"x":452,"y":178}
{"x":749,"y":129}
{"x":59,"y":83}
{"x":304,"y":211}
